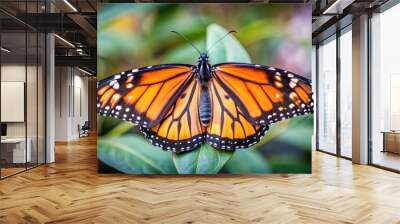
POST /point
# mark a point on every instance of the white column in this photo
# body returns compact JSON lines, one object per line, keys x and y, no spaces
{"x":50,"y":99}
{"x":50,"y":92}
{"x":360,"y":90}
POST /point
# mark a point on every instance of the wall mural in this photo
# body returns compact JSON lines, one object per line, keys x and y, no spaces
{"x":204,"y":88}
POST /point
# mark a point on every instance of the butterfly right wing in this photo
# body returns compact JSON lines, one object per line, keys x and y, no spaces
{"x":145,"y":95}
{"x":229,"y":128}
{"x":180,"y":130}
{"x":265,"y":94}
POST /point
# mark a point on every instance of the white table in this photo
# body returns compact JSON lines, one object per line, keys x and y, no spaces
{"x":19,"y":153}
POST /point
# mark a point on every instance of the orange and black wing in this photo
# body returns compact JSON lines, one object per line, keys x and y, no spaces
{"x":265,"y":94}
{"x":229,"y":128}
{"x":180,"y":130}
{"x":145,"y":95}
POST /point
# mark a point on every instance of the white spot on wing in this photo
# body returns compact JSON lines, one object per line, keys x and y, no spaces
{"x":112,"y":82}
{"x":116,"y":86}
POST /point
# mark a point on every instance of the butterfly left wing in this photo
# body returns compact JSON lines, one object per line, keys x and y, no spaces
{"x":265,"y":94}
{"x":180,"y":130}
{"x":143,"y":96}
{"x":229,"y":128}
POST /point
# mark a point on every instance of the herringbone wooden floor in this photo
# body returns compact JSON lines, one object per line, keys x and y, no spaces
{"x":71,"y":191}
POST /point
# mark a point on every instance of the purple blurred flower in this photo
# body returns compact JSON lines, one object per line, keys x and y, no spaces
{"x":293,"y":58}
{"x":299,"y":26}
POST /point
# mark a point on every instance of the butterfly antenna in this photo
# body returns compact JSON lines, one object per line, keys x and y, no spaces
{"x":187,"y":40}
{"x":220,"y":39}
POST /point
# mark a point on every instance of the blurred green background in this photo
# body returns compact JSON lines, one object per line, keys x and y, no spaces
{"x":137,"y":35}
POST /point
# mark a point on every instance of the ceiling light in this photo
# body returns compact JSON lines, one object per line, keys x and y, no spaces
{"x":84,"y":71}
{"x":70,"y":5}
{"x":5,"y":50}
{"x":326,"y":11}
{"x":64,"y":40}
{"x":338,"y":6}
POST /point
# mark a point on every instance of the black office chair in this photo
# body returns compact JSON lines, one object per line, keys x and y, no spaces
{"x":84,"y":130}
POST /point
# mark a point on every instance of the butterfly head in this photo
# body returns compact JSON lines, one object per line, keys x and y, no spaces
{"x":203,"y":68}
{"x":203,"y":57}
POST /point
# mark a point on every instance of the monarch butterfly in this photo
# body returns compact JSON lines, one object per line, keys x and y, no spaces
{"x":180,"y":106}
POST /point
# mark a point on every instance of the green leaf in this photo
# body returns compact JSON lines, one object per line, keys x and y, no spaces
{"x":203,"y":160}
{"x":228,"y":50}
{"x":120,"y":129}
{"x":111,"y":44}
{"x":106,"y":124}
{"x":261,"y":29}
{"x":247,"y":161}
{"x":299,"y":132}
{"x":184,"y":53}
{"x":110,"y":12}
{"x":134,"y":155}
{"x":277,"y":129}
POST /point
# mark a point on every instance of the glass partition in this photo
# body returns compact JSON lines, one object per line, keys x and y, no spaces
{"x":31,"y":97}
{"x":22,"y":77}
{"x":13,"y":94}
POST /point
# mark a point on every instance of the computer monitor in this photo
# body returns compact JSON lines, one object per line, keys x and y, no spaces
{"x":3,"y":129}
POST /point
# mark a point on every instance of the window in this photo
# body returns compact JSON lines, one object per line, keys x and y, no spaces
{"x":385,"y":89}
{"x":346,"y":93}
{"x":327,"y":96}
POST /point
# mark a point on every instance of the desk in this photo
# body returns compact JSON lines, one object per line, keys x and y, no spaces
{"x":391,"y":141}
{"x":17,"y":147}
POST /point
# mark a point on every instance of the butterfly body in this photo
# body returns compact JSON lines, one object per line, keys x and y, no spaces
{"x":230,"y":106}
{"x":203,"y":72}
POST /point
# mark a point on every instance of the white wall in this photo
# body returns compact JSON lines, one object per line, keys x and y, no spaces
{"x":80,"y":110}
{"x":61,"y":104}
{"x":12,"y":73}
{"x":16,"y":73}
{"x":33,"y":126}
{"x":71,"y":102}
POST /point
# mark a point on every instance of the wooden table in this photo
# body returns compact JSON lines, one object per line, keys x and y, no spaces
{"x":391,"y":141}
